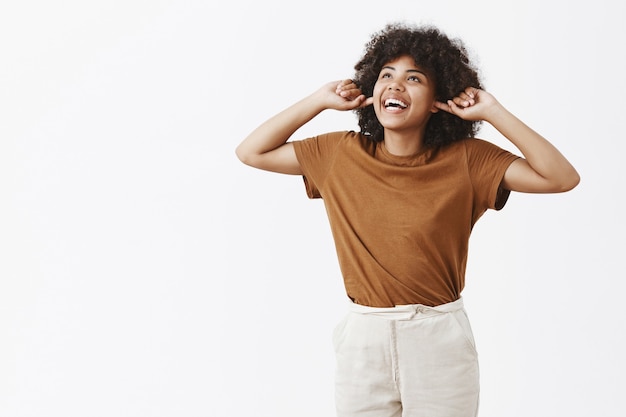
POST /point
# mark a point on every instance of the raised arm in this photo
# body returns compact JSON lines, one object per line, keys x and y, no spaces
{"x":542,"y":170}
{"x":267,"y":147}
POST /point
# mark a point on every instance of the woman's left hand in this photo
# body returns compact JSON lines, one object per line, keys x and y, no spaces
{"x":470,"y":104}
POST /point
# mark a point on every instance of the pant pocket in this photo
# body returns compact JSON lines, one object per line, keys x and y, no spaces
{"x":339,"y":333}
{"x":461,"y":319}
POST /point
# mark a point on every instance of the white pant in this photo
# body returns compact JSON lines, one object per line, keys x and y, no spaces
{"x":409,"y":361}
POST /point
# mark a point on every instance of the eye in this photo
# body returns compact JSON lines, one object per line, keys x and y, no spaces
{"x":385,"y":75}
{"x":415,"y":78}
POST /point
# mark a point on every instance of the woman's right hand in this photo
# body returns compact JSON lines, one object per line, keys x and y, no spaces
{"x":343,"y":95}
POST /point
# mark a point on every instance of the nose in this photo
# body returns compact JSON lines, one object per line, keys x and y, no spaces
{"x":396,"y":86}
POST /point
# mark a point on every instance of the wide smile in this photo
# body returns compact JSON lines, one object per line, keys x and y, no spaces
{"x":395,"y":105}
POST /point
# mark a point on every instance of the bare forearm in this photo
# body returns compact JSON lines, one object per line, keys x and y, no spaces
{"x":543,"y":157}
{"x":542,"y":170}
{"x":267,"y":148}
{"x":277,"y":130}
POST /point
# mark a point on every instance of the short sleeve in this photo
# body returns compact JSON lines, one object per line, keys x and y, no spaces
{"x":315,"y":156}
{"x":487,"y":164}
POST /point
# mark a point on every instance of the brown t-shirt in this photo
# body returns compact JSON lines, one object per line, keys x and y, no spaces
{"x":401,"y":225}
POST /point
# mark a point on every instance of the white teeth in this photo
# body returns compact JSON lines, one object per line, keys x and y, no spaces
{"x":395,"y":103}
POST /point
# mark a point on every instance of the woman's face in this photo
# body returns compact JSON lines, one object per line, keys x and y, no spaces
{"x":404,"y":95}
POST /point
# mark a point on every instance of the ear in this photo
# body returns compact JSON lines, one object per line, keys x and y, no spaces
{"x":435,"y":107}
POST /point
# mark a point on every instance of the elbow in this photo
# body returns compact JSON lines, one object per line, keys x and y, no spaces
{"x":242,"y":155}
{"x":570,"y":182}
{"x":249,"y":158}
{"x":574,"y":180}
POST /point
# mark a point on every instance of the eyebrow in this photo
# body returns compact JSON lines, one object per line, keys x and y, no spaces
{"x":410,"y":70}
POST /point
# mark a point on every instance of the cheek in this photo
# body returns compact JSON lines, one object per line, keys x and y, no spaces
{"x":376,"y":107}
{"x":378,"y":89}
{"x":377,"y":93}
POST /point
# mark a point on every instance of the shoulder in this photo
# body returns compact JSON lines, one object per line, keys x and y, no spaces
{"x":477,"y":148}
{"x":331,"y":141}
{"x":349,"y":136}
{"x":479,"y":156}
{"x":470,"y":144}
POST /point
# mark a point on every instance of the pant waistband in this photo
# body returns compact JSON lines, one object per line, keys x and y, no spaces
{"x":407,"y":311}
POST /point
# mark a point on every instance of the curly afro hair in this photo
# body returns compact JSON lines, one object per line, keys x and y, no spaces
{"x":443,"y":58}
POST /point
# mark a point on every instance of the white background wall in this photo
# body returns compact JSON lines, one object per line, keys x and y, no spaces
{"x":144,"y":271}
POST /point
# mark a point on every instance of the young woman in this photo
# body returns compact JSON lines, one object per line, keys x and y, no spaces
{"x":402,"y":196}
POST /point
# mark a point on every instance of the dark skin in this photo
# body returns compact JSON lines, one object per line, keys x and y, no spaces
{"x":543,"y":169}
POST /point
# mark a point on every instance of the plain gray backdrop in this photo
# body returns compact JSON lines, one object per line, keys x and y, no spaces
{"x":144,"y":271}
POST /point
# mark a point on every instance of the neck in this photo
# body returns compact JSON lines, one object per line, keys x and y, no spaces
{"x":403,"y":144}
